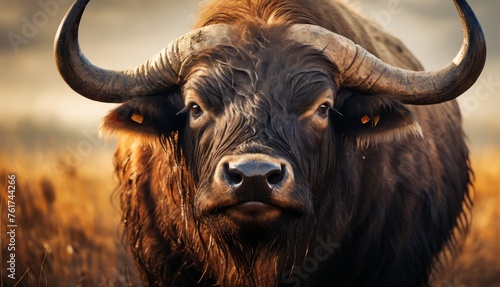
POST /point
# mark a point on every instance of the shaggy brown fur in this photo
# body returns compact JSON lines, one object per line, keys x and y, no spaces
{"x":379,"y":202}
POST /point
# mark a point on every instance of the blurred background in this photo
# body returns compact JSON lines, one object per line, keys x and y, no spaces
{"x":67,"y":213}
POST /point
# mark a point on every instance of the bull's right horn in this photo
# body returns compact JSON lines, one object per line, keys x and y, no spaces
{"x":157,"y":74}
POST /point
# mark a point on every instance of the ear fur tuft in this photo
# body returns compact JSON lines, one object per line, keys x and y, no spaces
{"x":147,"y":117}
{"x":374,"y":119}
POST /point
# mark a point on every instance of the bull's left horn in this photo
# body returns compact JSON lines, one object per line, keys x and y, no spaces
{"x":362,"y":70}
{"x":159,"y":73}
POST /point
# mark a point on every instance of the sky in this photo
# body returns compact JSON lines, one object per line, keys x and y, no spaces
{"x":119,"y":34}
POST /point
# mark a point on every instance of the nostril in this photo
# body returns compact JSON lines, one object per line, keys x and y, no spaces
{"x":233,"y":177}
{"x":277,"y":176}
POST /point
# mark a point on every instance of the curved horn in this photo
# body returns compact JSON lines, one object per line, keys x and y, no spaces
{"x":360,"y":69}
{"x":157,"y":74}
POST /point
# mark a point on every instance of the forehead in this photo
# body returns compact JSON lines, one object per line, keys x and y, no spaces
{"x":282,"y":71}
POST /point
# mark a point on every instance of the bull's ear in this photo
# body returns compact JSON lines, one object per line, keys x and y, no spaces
{"x":150,"y":116}
{"x":373,"y":119}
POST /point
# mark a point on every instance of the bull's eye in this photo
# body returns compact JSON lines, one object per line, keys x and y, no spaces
{"x":323,"y":110}
{"x":196,"y":110}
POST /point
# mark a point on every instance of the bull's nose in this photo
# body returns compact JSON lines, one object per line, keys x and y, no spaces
{"x":253,"y":190}
{"x":254,"y":172}
{"x":253,"y":177}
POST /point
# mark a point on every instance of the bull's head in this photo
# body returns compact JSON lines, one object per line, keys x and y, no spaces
{"x":261,"y":109}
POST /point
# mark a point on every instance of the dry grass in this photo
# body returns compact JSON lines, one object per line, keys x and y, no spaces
{"x":68,"y":235}
{"x":67,"y":232}
{"x":478,"y":265}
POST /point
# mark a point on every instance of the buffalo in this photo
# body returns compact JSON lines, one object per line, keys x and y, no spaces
{"x":286,"y":143}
